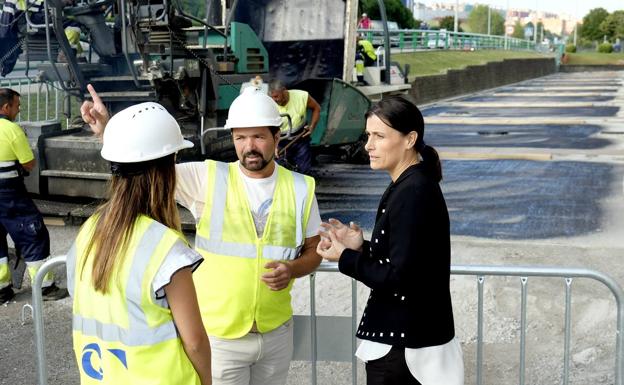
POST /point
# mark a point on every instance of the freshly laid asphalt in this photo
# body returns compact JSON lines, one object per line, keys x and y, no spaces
{"x":496,"y":199}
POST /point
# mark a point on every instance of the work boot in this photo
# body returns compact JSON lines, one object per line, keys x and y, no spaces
{"x":53,"y":293}
{"x":6,"y":294}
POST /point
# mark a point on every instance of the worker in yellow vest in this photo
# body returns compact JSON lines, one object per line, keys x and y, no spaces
{"x":135,"y":314}
{"x":257,"y":226}
{"x":35,"y":9}
{"x":366,"y":49}
{"x":19,"y":217}
{"x":295,"y":103}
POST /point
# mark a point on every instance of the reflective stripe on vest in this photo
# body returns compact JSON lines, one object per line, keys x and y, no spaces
{"x":215,"y":243}
{"x":127,"y":336}
{"x":8,"y":170}
{"x":5,"y":273}
{"x":138,"y":332}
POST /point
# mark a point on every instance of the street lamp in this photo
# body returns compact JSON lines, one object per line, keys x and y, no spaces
{"x":535,"y":26}
{"x":575,"y":22}
{"x":505,"y":26}
{"x":455,"y":22}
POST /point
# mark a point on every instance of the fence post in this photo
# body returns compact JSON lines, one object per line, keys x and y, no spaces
{"x":37,"y":301}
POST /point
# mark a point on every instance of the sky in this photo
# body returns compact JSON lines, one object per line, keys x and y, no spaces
{"x":555,"y":6}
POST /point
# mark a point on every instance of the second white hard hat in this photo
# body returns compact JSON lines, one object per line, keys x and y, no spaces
{"x":253,"y":108}
{"x":140,"y":133}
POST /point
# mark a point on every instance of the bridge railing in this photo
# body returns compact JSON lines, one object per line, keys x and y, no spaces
{"x":406,"y":40}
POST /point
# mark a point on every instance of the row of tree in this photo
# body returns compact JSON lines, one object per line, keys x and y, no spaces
{"x":599,"y":24}
{"x":395,"y":10}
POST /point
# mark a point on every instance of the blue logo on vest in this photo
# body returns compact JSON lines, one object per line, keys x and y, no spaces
{"x":87,"y":365}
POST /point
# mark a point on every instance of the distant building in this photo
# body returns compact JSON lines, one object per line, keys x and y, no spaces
{"x":558,"y":24}
{"x":437,"y":11}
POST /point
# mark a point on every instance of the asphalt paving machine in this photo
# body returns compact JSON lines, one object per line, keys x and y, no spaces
{"x":158,"y":50}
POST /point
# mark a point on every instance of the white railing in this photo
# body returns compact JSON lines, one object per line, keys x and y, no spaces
{"x":406,"y":40}
{"x":39,"y":100}
{"x":346,"y":337}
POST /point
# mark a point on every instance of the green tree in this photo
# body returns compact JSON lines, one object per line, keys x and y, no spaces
{"x":613,"y":26}
{"x":518,"y":31}
{"x":448,"y":23}
{"x":591,"y":24}
{"x":395,"y":11}
{"x":194,"y":7}
{"x":478,"y":21}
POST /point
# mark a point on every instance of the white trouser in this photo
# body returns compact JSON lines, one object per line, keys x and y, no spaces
{"x":254,"y":359}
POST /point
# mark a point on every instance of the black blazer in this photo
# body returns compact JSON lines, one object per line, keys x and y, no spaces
{"x":407,"y":266}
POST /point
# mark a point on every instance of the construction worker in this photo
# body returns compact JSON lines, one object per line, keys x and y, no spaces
{"x":366,"y":49}
{"x":135,"y":313}
{"x":295,"y":103}
{"x":257,"y":226}
{"x":19,"y":217}
{"x":11,"y":30}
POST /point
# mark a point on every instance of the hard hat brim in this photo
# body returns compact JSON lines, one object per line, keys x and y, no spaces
{"x":115,"y":157}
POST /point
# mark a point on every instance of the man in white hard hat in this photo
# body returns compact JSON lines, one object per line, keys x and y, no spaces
{"x":257,"y":226}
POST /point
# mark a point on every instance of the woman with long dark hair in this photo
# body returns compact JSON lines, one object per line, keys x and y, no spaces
{"x":407,"y":326}
{"x":135,"y":313}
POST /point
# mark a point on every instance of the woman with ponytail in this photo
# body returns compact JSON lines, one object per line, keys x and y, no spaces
{"x":407,"y":327}
{"x":135,"y":313}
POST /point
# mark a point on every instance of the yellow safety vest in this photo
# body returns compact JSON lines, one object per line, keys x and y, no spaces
{"x":368,"y":49}
{"x":230,"y":293}
{"x":127,"y":336}
{"x":297,"y":108}
{"x":13,"y":143}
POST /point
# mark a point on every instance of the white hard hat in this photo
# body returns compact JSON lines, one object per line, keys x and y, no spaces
{"x":253,"y":108}
{"x":140,"y":133}
{"x":364,"y":15}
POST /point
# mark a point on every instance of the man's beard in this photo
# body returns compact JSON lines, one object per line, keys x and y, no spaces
{"x":255,"y":166}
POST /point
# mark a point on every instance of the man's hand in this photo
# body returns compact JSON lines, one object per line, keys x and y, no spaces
{"x":307,"y":131}
{"x":94,"y":113}
{"x":280,"y":277}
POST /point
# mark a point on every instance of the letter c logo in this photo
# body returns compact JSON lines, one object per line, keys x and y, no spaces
{"x":87,"y":365}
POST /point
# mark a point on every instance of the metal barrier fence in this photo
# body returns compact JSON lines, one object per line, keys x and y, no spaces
{"x":40,"y":100}
{"x":324,"y":345}
{"x":421,"y":39}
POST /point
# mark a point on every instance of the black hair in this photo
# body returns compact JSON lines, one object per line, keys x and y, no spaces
{"x":402,"y":115}
{"x":276,"y":85}
{"x":274,"y":130}
{"x":7,"y":95}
